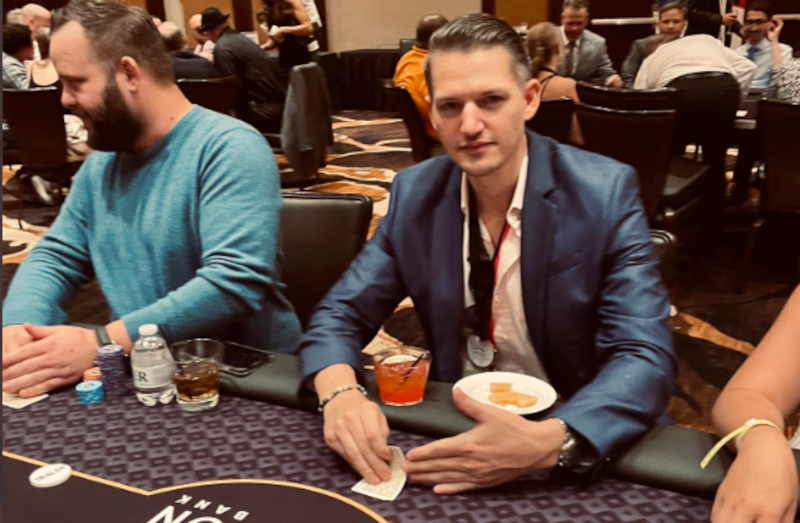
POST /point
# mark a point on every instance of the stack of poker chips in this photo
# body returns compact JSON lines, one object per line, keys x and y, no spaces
{"x":111,"y":360}
{"x":90,"y":392}
{"x":92,"y":374}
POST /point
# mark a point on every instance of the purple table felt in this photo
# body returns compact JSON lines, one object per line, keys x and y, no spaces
{"x":152,"y":448}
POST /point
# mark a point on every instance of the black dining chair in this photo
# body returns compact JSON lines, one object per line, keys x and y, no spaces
{"x":553,"y":118}
{"x":779,"y":122}
{"x":641,"y":139}
{"x":321,"y":234}
{"x":36,"y":118}
{"x":406,"y":44}
{"x":627,"y":99}
{"x":422,"y":145}
{"x":218,"y":94}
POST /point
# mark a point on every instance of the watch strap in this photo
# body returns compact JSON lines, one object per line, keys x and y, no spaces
{"x":102,"y":336}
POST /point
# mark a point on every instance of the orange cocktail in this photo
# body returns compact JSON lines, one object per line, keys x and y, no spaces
{"x":402,"y":375}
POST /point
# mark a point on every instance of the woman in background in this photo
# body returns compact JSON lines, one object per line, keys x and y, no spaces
{"x":288,"y":27}
{"x":544,"y":49}
{"x":761,"y":484}
{"x":42,"y":73}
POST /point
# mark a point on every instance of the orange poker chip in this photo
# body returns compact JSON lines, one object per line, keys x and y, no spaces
{"x":92,"y":374}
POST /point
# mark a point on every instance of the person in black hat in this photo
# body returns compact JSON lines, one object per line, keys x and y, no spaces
{"x":263,"y":83}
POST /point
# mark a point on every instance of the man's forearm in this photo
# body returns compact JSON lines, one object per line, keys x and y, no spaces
{"x":330,"y":378}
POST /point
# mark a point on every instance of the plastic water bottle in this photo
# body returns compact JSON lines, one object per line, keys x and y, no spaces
{"x":152,"y":366}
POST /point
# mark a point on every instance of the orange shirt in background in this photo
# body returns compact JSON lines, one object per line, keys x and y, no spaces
{"x":410,"y":73}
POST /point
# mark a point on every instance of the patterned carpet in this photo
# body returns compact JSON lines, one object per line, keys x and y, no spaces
{"x":715,"y":328}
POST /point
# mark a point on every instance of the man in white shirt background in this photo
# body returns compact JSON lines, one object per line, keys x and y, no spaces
{"x":585,"y":54}
{"x":757,"y":22}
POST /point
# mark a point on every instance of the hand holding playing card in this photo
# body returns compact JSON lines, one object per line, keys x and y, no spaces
{"x":386,"y":490}
{"x":502,"y":447}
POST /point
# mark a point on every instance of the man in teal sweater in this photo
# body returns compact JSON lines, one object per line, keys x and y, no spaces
{"x":176,"y":213}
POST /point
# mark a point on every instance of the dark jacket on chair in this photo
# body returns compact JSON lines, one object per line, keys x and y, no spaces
{"x":186,"y":64}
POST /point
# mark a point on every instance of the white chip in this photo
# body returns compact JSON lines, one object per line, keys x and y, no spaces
{"x":50,"y":475}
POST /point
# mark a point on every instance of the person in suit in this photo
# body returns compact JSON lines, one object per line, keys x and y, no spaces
{"x":185,"y":63}
{"x":578,"y":302}
{"x":671,"y":23}
{"x":585,"y":54}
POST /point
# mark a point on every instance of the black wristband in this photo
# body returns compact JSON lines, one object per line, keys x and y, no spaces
{"x":102,"y":336}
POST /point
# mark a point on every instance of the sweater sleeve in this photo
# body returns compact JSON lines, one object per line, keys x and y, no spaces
{"x":57,"y":266}
{"x":239,"y":206}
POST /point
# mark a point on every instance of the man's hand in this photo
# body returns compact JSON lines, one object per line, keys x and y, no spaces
{"x":14,"y":337}
{"x":728,"y":19}
{"x":58,"y":356}
{"x":615,"y":81}
{"x":774,"y":33}
{"x":503,"y":446}
{"x":761,"y":485}
{"x":357,"y":429}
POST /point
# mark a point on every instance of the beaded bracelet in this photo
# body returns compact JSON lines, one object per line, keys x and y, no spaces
{"x":736,"y":433}
{"x":343,"y":388}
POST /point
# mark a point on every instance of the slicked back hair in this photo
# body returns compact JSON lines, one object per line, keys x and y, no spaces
{"x":479,"y":31}
{"x":116,"y":30}
{"x":576,"y":4}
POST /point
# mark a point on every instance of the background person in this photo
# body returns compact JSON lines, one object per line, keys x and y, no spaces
{"x":545,"y":52}
{"x":585,"y":54}
{"x":761,"y":484}
{"x":205,"y":47}
{"x":185,"y":63}
{"x":784,"y":81}
{"x":671,"y":24}
{"x":288,"y":28}
{"x":757,"y":47}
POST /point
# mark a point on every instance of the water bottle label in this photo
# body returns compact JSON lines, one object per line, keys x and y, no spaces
{"x":152,"y":377}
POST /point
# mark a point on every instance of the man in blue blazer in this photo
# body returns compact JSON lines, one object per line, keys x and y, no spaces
{"x":574,"y":294}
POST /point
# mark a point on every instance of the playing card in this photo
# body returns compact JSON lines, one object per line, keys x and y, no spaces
{"x":15,"y":402}
{"x":388,"y":490}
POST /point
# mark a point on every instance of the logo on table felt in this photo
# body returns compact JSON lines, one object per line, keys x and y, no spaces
{"x":202,"y":511}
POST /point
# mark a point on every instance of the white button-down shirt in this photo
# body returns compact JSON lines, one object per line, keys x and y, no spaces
{"x":693,"y":54}
{"x":515,"y":352}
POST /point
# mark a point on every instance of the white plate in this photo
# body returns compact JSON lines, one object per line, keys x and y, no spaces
{"x":477,"y":387}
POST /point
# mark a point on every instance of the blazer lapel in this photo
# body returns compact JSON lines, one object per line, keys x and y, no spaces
{"x":539,"y":216}
{"x":447,"y":271}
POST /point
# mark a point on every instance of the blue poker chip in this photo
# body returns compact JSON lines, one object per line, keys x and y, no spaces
{"x":90,"y":392}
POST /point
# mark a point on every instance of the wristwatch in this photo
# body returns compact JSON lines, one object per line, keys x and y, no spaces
{"x":102,"y":336}
{"x":575,"y":451}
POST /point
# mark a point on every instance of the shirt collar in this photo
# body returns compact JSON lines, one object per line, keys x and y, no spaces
{"x":565,"y":40}
{"x":514,"y":214}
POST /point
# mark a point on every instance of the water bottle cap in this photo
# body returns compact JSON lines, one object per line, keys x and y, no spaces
{"x":148,"y":329}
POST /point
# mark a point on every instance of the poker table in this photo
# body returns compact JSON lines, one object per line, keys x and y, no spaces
{"x":260,"y":456}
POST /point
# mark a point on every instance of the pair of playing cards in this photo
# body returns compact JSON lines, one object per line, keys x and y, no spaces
{"x":15,"y":402}
{"x":388,"y":490}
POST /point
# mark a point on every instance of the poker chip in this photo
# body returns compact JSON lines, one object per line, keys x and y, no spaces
{"x":111,"y":361}
{"x":50,"y":475}
{"x":92,"y":374}
{"x":90,"y":392}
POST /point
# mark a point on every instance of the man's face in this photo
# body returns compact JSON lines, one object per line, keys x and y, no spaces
{"x":756,"y":26}
{"x":479,"y":108}
{"x":194,"y":25}
{"x":672,"y":23}
{"x":574,"y":22}
{"x":90,"y":94}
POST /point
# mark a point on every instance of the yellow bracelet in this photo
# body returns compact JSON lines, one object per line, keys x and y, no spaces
{"x":737,"y":433}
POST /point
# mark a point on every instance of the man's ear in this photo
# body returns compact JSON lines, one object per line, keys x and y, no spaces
{"x":532,"y":92}
{"x":129,"y":74}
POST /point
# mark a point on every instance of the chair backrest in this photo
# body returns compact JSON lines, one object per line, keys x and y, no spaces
{"x":321,"y":234}
{"x":307,"y":124}
{"x":707,"y":105}
{"x":553,"y":119}
{"x":36,"y":119}
{"x":218,"y":94}
{"x":406,"y":44}
{"x":401,"y":101}
{"x":779,"y":123}
{"x":641,"y":139}
{"x":627,"y":99}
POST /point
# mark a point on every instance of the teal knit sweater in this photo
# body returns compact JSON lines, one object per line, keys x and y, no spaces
{"x":183,"y":235}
